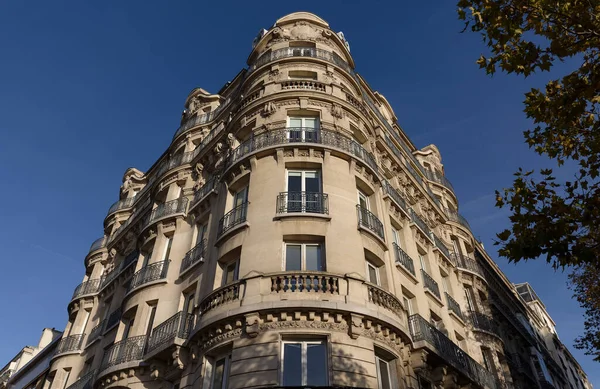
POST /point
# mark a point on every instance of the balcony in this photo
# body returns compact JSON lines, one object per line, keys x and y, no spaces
{"x":366,"y":219}
{"x":421,"y":224}
{"x":483,"y":322}
{"x":404,"y":259}
{"x":453,"y":306}
{"x":203,"y":191}
{"x":522,"y":365}
{"x":86,"y":288}
{"x":113,"y":318}
{"x":128,"y":350}
{"x":221,"y":296}
{"x":455,"y":217}
{"x":430,"y":284}
{"x":233,"y":218}
{"x":96,"y":332}
{"x":310,"y":52}
{"x":292,"y":135}
{"x":173,"y":207}
{"x":194,"y":256}
{"x":440,"y":246}
{"x":303,"y":84}
{"x":98,"y":244}
{"x":395,"y":196}
{"x":302,"y":202}
{"x":383,"y":298}
{"x":421,"y":330}
{"x":177,"y":326}
{"x":152,"y":272}
{"x":69,"y":344}
{"x":86,"y":381}
{"x":316,"y":282}
{"x":440,"y":179}
{"x":121,"y":204}
{"x":466,"y":263}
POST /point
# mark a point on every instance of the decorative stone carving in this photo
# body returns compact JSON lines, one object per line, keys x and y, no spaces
{"x":269,"y":109}
{"x":232,"y":141}
{"x":189,"y":144}
{"x":274,"y":75}
{"x":337,"y":111}
{"x":178,"y":358}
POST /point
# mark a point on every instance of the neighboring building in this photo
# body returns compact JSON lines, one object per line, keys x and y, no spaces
{"x":545,"y":329}
{"x":292,"y":235}
{"x":31,"y":363}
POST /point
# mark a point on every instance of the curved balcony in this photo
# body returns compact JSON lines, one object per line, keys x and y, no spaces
{"x":395,"y":196}
{"x":440,"y":179}
{"x":177,"y":326}
{"x":221,"y":296}
{"x":233,"y":218}
{"x":482,"y":322}
{"x":128,"y":350}
{"x":303,"y":84}
{"x":440,"y":246}
{"x":86,"y":381}
{"x":404,"y":259}
{"x":70,"y":343}
{"x":421,"y":224}
{"x":85,"y":288}
{"x":153,"y":272}
{"x":96,"y":332}
{"x":430,"y":284}
{"x":468,"y":264}
{"x":292,"y":135}
{"x":98,"y":244}
{"x":198,"y":120}
{"x":170,"y":208}
{"x":369,"y":221}
{"x":203,"y":191}
{"x":308,"y":52}
{"x":453,"y":306}
{"x":303,"y":202}
{"x":121,"y":204}
{"x":316,"y":282}
{"x":436,"y":341}
{"x":455,"y":217}
{"x":194,"y":256}
{"x":385,"y":299}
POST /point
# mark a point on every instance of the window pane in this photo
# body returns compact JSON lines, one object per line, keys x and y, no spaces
{"x":384,"y":374}
{"x":293,"y":259}
{"x":364,"y":203}
{"x":295,"y":122}
{"x":294,"y":181}
{"x":310,"y":122}
{"x":372,"y":274}
{"x":312,"y":182}
{"x":292,"y":364}
{"x":313,"y":258}
{"x":316,"y":365}
{"x":230,"y":273}
{"x":217,"y":382}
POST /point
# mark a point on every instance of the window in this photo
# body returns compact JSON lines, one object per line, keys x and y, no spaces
{"x":188,"y":303}
{"x":201,"y":232}
{"x":470,"y":298}
{"x":488,"y":361}
{"x":146,"y":258}
{"x":461,"y":341}
{"x":303,"y":129}
{"x":408,"y":304}
{"x":423,"y":262}
{"x":396,"y":237}
{"x":240,"y":200}
{"x":150,"y":321}
{"x":363,"y":200}
{"x":372,"y":273}
{"x":167,"y":251}
{"x":446,"y":284}
{"x":304,"y":256}
{"x":302,"y":357}
{"x":456,"y":246}
{"x":67,"y":373}
{"x":218,"y":371}
{"x":230,"y":272}
{"x":128,"y":326}
{"x":304,"y":191}
{"x":384,"y":363}
{"x":49,"y":381}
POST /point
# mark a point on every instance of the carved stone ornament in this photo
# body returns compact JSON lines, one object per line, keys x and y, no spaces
{"x":274,"y":75}
{"x":189,"y":144}
{"x":337,"y":111}
{"x":269,"y":109}
{"x":232,"y":141}
{"x":198,"y":169}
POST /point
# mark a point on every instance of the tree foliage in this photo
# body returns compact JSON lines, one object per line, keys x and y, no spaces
{"x":553,"y":219}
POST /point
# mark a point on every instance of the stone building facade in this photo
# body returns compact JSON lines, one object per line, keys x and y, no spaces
{"x":292,"y":235}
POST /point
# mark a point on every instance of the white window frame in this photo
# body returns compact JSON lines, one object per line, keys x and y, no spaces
{"x":396,"y":236}
{"x":379,"y":359}
{"x":210,"y":371}
{"x":167,"y":248}
{"x":243,"y":190}
{"x":303,"y":246}
{"x":304,"y":359}
{"x":303,"y":177}
{"x":235,"y":272}
{"x":408,"y":305}
{"x":302,"y":119}
{"x":423,"y":263}
{"x":371,"y":264}
{"x":362,"y":195}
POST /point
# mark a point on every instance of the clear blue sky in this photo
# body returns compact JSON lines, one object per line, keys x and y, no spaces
{"x":88,"y":90}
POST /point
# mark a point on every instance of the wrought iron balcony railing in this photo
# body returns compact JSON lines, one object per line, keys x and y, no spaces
{"x":404,"y":259}
{"x":430,"y":284}
{"x":121,"y":204}
{"x":169,"y":208}
{"x":395,"y":196}
{"x":457,"y":218}
{"x":195,"y":255}
{"x":483,"y":322}
{"x":453,"y":306}
{"x":440,"y":245}
{"x":463,"y":262}
{"x":369,"y":221}
{"x":290,"y":135}
{"x":440,"y":179}
{"x":421,"y":224}
{"x":113,"y":318}
{"x":96,"y":331}
{"x":152,"y":272}
{"x":69,"y":343}
{"x":303,"y":202}
{"x":177,"y":326}
{"x":203,"y":191}
{"x":130,"y":349}
{"x":311,"y":52}
{"x":310,"y":282}
{"x":233,"y":218}
{"x":223,"y":295}
{"x":85,"y":288}
{"x":421,"y":330}
{"x":98,"y":244}
{"x":86,"y":381}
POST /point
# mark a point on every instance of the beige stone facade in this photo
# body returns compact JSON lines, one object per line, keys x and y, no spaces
{"x":292,"y":235}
